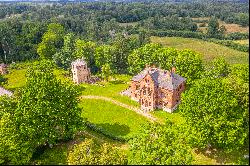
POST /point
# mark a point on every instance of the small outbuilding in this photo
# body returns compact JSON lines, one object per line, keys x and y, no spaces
{"x":3,"y":69}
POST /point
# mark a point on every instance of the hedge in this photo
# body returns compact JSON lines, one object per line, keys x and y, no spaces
{"x":97,"y":129}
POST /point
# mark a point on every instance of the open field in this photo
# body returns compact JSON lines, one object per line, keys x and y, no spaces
{"x":230,"y":28}
{"x":208,"y":50}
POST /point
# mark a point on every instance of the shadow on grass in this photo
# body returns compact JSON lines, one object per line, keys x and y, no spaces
{"x":116,"y":82}
{"x":236,"y":157}
{"x":116,"y":128}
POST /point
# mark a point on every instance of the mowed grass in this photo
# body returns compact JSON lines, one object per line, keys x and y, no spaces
{"x":208,"y":50}
{"x":112,"y":118}
{"x":110,"y":89}
{"x":16,"y":78}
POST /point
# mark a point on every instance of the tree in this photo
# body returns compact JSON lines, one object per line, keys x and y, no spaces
{"x":142,"y":56}
{"x":160,"y":145}
{"x":51,"y":41}
{"x":64,"y":57}
{"x":189,"y":65}
{"x":14,"y":149}
{"x":218,"y":68}
{"x":86,"y":50}
{"x":213,"y":115}
{"x":48,"y":109}
{"x":89,"y":153}
{"x":106,"y":71}
{"x":214,"y":29}
{"x":104,"y":54}
{"x":45,"y":112}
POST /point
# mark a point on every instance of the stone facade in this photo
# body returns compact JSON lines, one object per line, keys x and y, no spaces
{"x":155,"y":88}
{"x":81,"y":73}
{"x":3,"y":69}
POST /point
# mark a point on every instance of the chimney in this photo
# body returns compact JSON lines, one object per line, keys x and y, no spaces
{"x":173,"y":69}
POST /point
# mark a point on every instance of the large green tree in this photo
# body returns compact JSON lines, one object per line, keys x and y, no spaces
{"x":45,"y":112}
{"x":214,"y":115}
{"x":160,"y":145}
{"x":52,"y":41}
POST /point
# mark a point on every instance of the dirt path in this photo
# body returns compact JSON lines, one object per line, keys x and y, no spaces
{"x":137,"y":110}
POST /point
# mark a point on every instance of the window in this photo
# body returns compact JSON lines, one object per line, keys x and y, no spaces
{"x":137,"y":87}
{"x":136,"y":95}
{"x":149,"y":103}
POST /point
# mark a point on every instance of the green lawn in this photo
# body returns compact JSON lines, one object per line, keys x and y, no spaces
{"x":208,"y":50}
{"x":110,"y":89}
{"x":112,"y":118}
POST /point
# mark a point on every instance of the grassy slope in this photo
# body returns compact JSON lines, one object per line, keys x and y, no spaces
{"x":207,"y":49}
{"x":116,"y":120}
{"x":110,"y":89}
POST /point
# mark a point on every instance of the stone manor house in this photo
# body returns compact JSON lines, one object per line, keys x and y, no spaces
{"x":156,"y":88}
{"x":81,"y":73}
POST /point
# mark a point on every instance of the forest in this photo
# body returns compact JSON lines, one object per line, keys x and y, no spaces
{"x":50,"y":120}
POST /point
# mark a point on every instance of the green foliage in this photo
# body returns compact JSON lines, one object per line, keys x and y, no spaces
{"x":89,"y":153}
{"x":13,"y":147}
{"x":218,"y":68}
{"x":54,"y":103}
{"x":106,"y":71}
{"x":51,"y":41}
{"x":45,"y":112}
{"x":160,"y":145}
{"x":64,"y":57}
{"x":104,"y":54}
{"x":213,"y":115}
{"x":86,"y":50}
{"x":188,"y":63}
{"x":138,"y":59}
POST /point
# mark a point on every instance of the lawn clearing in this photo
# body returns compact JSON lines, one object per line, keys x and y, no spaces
{"x":114,"y":119}
{"x":110,"y":89}
{"x":208,"y":50}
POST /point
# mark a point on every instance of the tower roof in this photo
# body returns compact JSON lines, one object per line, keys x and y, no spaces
{"x":78,"y":62}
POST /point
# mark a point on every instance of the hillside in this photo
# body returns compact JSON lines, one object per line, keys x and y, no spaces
{"x":208,"y":50}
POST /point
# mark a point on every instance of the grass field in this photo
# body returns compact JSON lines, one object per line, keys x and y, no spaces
{"x":230,"y":28}
{"x":114,"y":119}
{"x":243,"y":42}
{"x":208,"y":50}
{"x":110,"y":89}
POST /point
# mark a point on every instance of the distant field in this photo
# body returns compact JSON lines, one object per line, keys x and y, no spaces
{"x":230,"y":28}
{"x":243,"y":42}
{"x":208,"y":50}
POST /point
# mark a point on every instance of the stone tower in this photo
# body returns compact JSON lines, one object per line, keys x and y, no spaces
{"x":80,"y":71}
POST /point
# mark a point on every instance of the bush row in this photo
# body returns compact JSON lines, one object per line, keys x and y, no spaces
{"x":97,"y":129}
{"x":230,"y":44}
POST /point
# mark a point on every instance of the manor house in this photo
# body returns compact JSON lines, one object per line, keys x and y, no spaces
{"x":81,"y":73}
{"x":156,"y":88}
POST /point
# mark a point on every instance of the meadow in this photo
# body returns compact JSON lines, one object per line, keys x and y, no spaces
{"x":208,"y":50}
